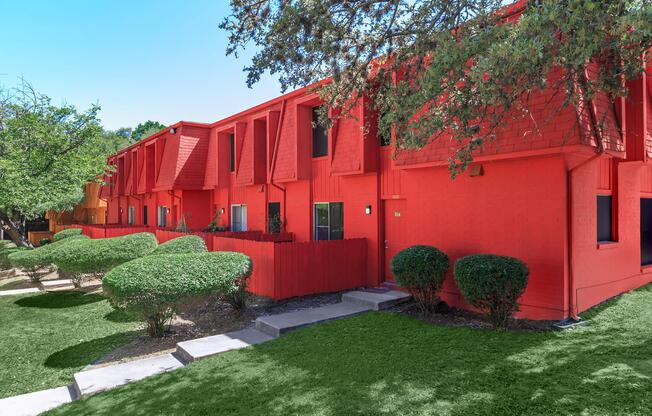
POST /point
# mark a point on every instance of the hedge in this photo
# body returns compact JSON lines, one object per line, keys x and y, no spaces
{"x":68,"y":232}
{"x":179,"y":245}
{"x":154,"y":286}
{"x":421,"y":270}
{"x":98,"y":256}
{"x":492,"y":284}
{"x":5,"y":251}
{"x":33,"y":260}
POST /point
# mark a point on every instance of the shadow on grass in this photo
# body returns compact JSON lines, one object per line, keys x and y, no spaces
{"x":59,"y":300}
{"x":87,"y":352}
{"x":119,"y":316}
{"x":385,"y":364}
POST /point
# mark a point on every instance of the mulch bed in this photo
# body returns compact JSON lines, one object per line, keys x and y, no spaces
{"x":453,"y":317}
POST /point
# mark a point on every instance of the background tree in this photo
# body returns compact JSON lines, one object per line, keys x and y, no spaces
{"x":47,"y":154}
{"x":467,"y":57}
{"x":146,"y":129}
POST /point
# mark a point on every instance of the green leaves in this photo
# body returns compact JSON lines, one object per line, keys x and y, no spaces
{"x":456,"y":70}
{"x":47,"y":153}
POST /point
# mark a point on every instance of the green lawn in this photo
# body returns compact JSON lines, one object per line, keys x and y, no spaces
{"x":386,"y":364}
{"x":46,"y":337}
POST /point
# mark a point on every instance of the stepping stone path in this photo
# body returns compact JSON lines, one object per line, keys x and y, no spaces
{"x":19,"y":291}
{"x":34,"y":403}
{"x":96,"y":380}
{"x":105,"y":378}
{"x":57,"y":284}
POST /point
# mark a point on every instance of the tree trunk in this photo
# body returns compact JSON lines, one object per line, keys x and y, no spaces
{"x":9,"y":226}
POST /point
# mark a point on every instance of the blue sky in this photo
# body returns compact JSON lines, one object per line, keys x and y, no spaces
{"x":141,"y":59}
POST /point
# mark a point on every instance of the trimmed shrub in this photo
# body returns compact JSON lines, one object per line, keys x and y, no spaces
{"x":492,"y":284}
{"x":5,"y":252}
{"x":68,"y":232}
{"x":33,"y":260}
{"x":98,"y":256}
{"x":153,"y":287}
{"x":421,"y":270}
{"x":179,"y":245}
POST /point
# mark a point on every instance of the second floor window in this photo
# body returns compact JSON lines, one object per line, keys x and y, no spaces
{"x":232,"y":152}
{"x":319,"y":136}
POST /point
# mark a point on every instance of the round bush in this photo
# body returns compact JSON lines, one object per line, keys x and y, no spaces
{"x":154,"y":286}
{"x":97,"y":256}
{"x":35,"y":259}
{"x":179,"y":245}
{"x":68,"y":232}
{"x":421,"y":270}
{"x":492,"y":284}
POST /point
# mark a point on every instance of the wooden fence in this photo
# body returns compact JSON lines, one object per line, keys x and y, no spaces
{"x":285,"y":270}
{"x":282,"y":268}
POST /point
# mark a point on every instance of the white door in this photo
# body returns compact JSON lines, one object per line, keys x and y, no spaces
{"x":238,"y":218}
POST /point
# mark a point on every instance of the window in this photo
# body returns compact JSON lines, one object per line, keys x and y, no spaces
{"x":144,"y":214}
{"x":131,"y":215}
{"x":329,"y":221}
{"x":605,"y":218}
{"x":162,"y":211}
{"x":238,"y":218}
{"x":232,"y":152}
{"x":319,"y":136}
{"x":274,"y":217}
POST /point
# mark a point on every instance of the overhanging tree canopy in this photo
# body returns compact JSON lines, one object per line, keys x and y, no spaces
{"x":470,"y":58}
{"x":47,"y":154}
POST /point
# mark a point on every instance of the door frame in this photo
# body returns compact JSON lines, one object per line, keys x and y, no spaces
{"x":382,"y":243}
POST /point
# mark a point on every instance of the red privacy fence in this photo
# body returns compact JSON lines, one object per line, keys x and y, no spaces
{"x":283,"y":268}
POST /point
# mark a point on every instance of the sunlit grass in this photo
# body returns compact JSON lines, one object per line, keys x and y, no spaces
{"x":387,"y":364}
{"x":45,"y":338}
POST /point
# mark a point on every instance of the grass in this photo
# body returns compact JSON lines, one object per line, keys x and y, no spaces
{"x":387,"y":364}
{"x":45,"y":338}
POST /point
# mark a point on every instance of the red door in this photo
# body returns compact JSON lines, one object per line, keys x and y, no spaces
{"x":395,"y":231}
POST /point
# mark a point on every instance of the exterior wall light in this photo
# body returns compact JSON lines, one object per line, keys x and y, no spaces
{"x":222,"y":211}
{"x":173,"y":130}
{"x":367,"y":210}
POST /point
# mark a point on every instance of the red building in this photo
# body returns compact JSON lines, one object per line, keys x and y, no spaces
{"x":577,"y":211}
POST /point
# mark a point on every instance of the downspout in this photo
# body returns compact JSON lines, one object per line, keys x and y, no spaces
{"x":572,"y":293}
{"x":273,"y":167}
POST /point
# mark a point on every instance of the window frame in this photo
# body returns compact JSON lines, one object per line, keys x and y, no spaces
{"x":330,"y":228}
{"x":318,"y":142}
{"x":612,"y":212}
{"x":243,"y":219}
{"x":131,"y":215}
{"x":161,"y":220}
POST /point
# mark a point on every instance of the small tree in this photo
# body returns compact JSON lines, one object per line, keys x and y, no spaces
{"x":492,"y":284}
{"x":421,"y":270}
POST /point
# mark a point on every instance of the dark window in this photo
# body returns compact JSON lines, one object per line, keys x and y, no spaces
{"x":274,"y":217}
{"x":232,"y":152}
{"x":329,"y":221}
{"x":605,"y":223}
{"x":144,"y":214}
{"x":319,"y":136}
{"x":646,"y":231}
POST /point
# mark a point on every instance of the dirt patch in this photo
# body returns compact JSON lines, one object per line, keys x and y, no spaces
{"x":452,"y":317}
{"x":206,"y":316}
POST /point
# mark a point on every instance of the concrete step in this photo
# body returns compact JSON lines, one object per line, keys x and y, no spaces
{"x":19,"y":291}
{"x":56,"y":284}
{"x":105,"y":378}
{"x":376,"y":300}
{"x":197,"y":349}
{"x":32,"y":404}
{"x":276,"y":325}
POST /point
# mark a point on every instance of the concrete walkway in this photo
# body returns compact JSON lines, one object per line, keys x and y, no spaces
{"x":96,"y":380}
